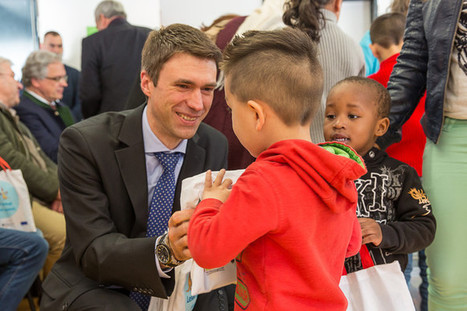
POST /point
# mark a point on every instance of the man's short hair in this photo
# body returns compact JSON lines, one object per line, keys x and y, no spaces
{"x":52,"y":33}
{"x":109,"y":8}
{"x":278,"y":67}
{"x":36,"y":65}
{"x":162,"y":44}
{"x":388,"y":29}
{"x":381,"y":94}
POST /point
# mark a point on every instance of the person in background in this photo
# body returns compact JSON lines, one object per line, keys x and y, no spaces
{"x":338,"y":54}
{"x":371,"y":62}
{"x":20,"y":150}
{"x":394,"y":212}
{"x":53,"y":43}
{"x":433,"y":59}
{"x":386,"y":33}
{"x":110,"y":60}
{"x":121,"y":175}
{"x":290,"y":237}
{"x":41,"y":108}
{"x":22,"y":255}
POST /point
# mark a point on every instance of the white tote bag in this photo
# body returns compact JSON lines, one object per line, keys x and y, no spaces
{"x":206,"y":280}
{"x":15,"y":205}
{"x":376,"y":287}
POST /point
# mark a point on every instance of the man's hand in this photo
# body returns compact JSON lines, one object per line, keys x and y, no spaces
{"x":220,"y":189}
{"x":178,"y":228}
{"x":371,"y":231}
{"x":56,"y":205}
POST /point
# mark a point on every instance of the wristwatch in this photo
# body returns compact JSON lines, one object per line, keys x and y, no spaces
{"x":164,"y":253}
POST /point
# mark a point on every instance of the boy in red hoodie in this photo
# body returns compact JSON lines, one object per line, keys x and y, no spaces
{"x":289,"y":220}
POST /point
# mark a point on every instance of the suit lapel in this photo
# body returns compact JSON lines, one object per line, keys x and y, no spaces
{"x":132,"y":165}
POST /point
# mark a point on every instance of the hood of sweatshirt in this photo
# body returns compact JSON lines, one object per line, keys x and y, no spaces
{"x":329,"y":168}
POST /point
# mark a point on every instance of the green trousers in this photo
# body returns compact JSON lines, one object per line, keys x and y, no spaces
{"x":445,"y":182}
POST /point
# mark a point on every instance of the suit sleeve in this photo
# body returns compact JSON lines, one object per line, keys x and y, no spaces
{"x":415,"y":225}
{"x":407,"y":83}
{"x":90,"y":81}
{"x":102,"y":250}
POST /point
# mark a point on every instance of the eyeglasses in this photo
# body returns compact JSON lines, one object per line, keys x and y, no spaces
{"x":58,"y":79}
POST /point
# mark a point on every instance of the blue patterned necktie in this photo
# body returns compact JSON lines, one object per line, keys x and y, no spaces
{"x":160,"y":208}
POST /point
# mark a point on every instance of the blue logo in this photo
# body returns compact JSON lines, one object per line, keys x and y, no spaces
{"x":9,"y":200}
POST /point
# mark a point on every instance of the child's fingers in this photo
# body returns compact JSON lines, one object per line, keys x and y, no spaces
{"x":227,"y":183}
{"x":219,"y":177}
{"x":208,"y":179}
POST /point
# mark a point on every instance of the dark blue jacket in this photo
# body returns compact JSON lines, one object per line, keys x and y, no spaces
{"x":44,"y":123}
{"x":423,"y":64}
{"x":71,"y":92}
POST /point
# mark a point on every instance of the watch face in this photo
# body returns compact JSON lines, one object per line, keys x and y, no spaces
{"x":163,"y":253}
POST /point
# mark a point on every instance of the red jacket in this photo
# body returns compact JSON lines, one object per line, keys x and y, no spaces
{"x":290,"y":222}
{"x":410,"y":149}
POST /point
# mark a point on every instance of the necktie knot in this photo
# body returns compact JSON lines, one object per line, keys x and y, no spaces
{"x":168,"y":160}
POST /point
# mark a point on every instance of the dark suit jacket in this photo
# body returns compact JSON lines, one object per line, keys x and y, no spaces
{"x":71,"y":92}
{"x":110,"y":61}
{"x":43,"y":123}
{"x":103,"y":185}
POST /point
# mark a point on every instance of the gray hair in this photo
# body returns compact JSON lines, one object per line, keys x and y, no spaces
{"x":36,"y":65}
{"x":109,"y":8}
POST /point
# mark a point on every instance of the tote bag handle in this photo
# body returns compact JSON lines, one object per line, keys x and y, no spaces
{"x":4,"y":165}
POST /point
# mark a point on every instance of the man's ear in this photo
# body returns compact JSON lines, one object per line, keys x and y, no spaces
{"x":35,"y":82}
{"x":260,"y":114}
{"x":146,"y":82}
{"x":382,"y":126}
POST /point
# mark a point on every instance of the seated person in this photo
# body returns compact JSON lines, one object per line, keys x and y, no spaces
{"x":290,"y":219}
{"x":393,"y":210}
{"x":44,"y":78}
{"x":19,"y":148}
{"x":22,"y":255}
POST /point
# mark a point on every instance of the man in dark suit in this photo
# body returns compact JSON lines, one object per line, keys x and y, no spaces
{"x":110,"y":60}
{"x":53,"y":43}
{"x":109,"y":172}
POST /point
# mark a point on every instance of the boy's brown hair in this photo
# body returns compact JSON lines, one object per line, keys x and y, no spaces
{"x":164,"y":43}
{"x":388,"y":29}
{"x":278,"y":67}
{"x":382,"y":97}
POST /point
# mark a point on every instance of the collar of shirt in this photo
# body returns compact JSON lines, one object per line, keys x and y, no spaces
{"x":42,"y":99}
{"x":152,"y":144}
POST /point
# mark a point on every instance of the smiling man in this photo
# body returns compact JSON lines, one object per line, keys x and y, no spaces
{"x":120,"y":192}
{"x":44,"y":79}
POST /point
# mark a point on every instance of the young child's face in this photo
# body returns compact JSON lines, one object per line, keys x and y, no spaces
{"x":351,"y":117}
{"x":243,"y":121}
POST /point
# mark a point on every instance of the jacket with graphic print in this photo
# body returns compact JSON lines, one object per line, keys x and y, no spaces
{"x":391,"y":193}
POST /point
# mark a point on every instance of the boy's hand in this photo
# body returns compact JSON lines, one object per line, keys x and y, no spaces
{"x":220,"y":189}
{"x":371,"y":231}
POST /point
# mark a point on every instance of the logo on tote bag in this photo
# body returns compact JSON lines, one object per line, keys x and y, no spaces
{"x":9,"y":200}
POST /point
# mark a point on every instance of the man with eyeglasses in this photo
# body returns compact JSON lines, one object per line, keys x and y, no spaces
{"x":44,"y":79}
{"x":20,"y":149}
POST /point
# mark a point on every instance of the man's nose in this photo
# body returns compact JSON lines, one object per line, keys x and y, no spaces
{"x":196,"y":100}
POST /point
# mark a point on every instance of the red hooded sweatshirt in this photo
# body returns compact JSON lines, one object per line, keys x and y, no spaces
{"x":289,"y":221}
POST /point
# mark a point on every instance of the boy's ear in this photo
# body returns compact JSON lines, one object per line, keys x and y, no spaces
{"x":260,"y":113}
{"x":382,"y":126}
{"x":374,"y":47}
{"x":145,"y":83}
